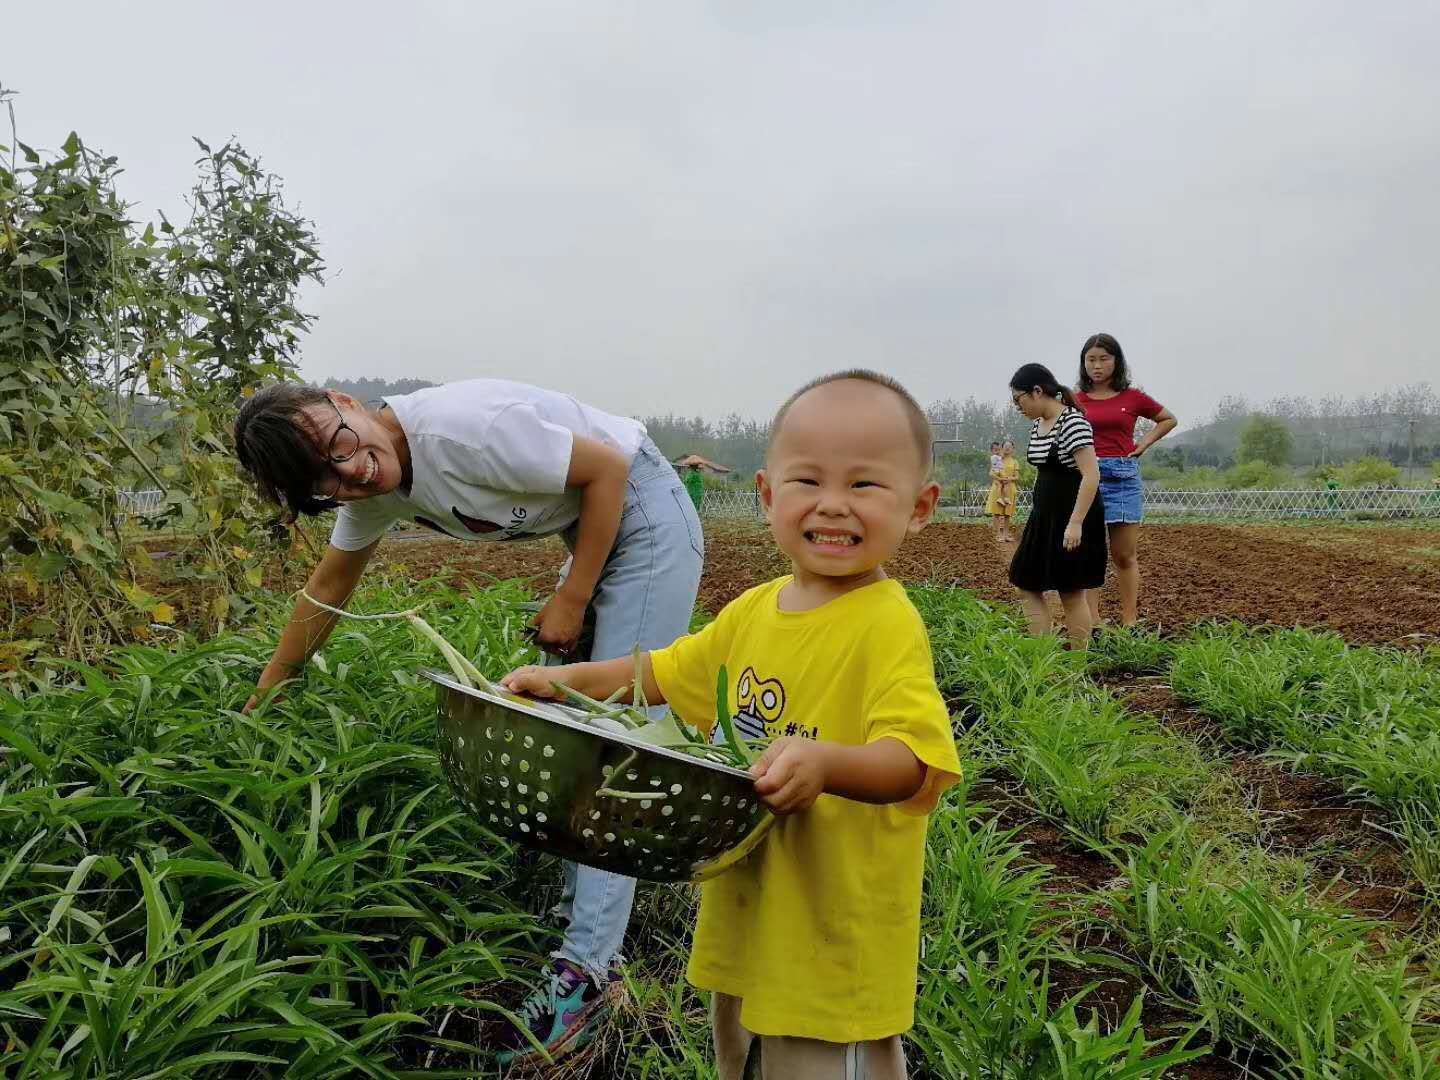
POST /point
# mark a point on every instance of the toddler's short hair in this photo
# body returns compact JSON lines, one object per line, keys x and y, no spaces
{"x":919,"y":422}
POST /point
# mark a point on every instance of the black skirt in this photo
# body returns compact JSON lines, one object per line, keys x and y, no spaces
{"x":1041,"y":561}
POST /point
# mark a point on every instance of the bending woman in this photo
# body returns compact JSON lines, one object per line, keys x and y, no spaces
{"x":492,"y":460}
{"x":1112,"y":406}
{"x":1063,"y":546}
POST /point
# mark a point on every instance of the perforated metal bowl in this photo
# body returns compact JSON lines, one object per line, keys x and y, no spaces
{"x":531,"y":771}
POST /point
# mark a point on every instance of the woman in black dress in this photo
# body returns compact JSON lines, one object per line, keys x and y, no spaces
{"x":1063,"y":547}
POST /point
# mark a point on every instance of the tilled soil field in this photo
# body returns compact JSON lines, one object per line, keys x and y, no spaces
{"x":1373,"y":585}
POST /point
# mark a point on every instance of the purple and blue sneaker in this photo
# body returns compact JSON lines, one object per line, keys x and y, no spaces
{"x":562,"y":1014}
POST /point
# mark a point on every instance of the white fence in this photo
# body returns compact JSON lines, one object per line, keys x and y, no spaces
{"x":730,"y":504}
{"x":1308,"y":503}
{"x":130,"y":504}
{"x":1262,"y":505}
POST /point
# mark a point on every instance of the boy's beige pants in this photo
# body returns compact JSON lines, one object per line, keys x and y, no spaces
{"x":783,"y":1057}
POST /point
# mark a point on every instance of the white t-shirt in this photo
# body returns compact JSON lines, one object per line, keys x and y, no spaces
{"x":488,"y":461}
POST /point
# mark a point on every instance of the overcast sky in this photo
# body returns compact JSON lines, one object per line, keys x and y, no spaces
{"x":686,"y":207}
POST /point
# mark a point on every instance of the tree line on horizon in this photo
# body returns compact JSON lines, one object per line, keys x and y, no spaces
{"x":1323,"y":432}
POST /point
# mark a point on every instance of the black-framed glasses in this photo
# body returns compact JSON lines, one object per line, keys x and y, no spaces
{"x":343,"y":445}
{"x":1015,"y":398}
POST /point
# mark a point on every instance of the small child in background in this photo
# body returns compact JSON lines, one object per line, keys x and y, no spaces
{"x":1009,"y":472}
{"x":1000,"y":478}
{"x":810,"y":946}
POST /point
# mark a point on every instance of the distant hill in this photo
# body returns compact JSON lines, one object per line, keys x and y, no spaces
{"x":372,"y":389}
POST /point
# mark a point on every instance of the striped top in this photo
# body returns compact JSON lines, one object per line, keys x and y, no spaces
{"x":1070,"y":432}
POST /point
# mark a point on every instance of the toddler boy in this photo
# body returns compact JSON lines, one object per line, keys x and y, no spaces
{"x":810,"y":946}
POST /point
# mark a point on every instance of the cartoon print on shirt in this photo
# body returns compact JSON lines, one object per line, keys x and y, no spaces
{"x":761,"y":705}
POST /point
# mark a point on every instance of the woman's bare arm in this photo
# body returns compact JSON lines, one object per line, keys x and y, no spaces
{"x":600,"y":472}
{"x":332,"y":581}
{"x":1089,"y":467}
{"x":1165,"y":423}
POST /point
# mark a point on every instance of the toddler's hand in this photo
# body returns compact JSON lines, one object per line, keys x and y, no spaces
{"x":790,"y":775}
{"x":535,"y":680}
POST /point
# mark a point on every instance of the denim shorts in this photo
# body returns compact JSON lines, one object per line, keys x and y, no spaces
{"x":1120,"y":489}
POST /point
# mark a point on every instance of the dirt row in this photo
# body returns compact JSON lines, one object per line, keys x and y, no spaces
{"x":1343,"y":839}
{"x":1354,"y":865}
{"x":1373,"y":585}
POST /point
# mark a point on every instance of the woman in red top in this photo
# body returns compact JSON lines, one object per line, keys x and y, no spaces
{"x":1112,"y":406}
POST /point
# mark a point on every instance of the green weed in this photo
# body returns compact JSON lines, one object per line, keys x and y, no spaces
{"x":186,"y":890}
{"x":1263,"y":966}
{"x":190,"y":889}
{"x":1369,"y":718}
{"x":1130,"y":651}
{"x":991,"y":939}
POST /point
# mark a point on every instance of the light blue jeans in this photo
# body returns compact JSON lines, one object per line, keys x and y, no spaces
{"x":644,"y":599}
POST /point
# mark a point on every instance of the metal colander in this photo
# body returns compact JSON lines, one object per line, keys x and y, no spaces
{"x":531,"y":770}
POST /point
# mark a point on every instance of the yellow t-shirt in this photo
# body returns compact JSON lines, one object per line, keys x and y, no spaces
{"x":818,"y":931}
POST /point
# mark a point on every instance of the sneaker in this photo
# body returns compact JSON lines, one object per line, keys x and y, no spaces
{"x":562,"y":1015}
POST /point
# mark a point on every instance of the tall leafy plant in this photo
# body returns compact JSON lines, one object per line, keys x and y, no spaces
{"x":221,"y":318}
{"x":64,"y":250}
{"x":97,"y":315}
